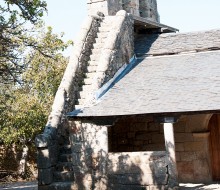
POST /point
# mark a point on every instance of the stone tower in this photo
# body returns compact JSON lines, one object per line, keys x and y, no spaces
{"x":141,"y":8}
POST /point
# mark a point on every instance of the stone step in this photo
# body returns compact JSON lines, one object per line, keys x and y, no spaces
{"x":102,"y":35}
{"x":63,"y":176}
{"x":95,"y":57}
{"x":96,"y":51}
{"x":79,"y":95}
{"x":97,"y":46}
{"x":105,"y":28}
{"x":91,"y":68}
{"x":64,"y":139}
{"x":93,"y":63}
{"x":59,"y":186}
{"x":83,"y":95}
{"x":100,"y":40}
{"x":88,"y":81}
{"x":87,"y":88}
{"x":66,"y":149}
{"x":65,"y":158}
{"x":77,"y":107}
{"x":90,"y":75}
{"x":64,"y":166}
{"x":80,"y":101}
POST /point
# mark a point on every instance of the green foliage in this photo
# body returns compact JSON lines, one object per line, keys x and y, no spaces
{"x":23,"y":118}
{"x":17,"y":18}
{"x":24,"y":108}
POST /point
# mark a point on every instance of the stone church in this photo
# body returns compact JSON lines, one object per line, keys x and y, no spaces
{"x":137,"y":107}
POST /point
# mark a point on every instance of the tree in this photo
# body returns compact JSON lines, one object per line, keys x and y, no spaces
{"x":24,"y":108}
{"x":15,"y":18}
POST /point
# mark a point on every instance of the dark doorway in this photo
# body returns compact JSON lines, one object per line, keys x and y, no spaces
{"x":214,"y":143}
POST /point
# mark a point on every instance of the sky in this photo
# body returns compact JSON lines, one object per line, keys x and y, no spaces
{"x":186,"y":15}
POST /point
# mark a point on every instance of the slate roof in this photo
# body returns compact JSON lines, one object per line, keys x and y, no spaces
{"x":174,"y":43}
{"x":188,"y":81}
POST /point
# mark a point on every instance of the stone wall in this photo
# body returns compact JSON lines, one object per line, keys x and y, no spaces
{"x":89,"y":150}
{"x":192,"y":152}
{"x":95,"y":167}
{"x":134,"y":134}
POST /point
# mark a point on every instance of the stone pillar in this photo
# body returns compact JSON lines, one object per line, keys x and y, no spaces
{"x":170,"y":148}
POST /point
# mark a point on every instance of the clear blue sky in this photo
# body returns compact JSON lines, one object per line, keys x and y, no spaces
{"x":186,"y":15}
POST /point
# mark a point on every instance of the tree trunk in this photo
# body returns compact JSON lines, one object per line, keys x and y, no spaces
{"x":23,"y":161}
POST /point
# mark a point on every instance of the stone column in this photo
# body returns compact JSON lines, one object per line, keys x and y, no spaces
{"x":170,"y":148}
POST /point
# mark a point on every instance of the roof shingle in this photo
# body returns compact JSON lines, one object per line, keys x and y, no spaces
{"x":164,"y":84}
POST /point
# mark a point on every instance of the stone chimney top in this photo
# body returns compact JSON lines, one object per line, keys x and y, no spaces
{"x":142,"y":8}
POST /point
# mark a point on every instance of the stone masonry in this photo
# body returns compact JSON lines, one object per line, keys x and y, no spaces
{"x":143,"y":8}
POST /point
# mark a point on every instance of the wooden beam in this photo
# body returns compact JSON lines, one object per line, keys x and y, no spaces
{"x":170,"y":148}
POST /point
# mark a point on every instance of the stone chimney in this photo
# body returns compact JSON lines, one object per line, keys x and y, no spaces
{"x":142,"y":8}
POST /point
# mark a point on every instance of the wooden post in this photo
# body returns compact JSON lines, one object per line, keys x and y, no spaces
{"x":170,"y":148}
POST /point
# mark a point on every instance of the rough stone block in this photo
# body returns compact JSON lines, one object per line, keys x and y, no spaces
{"x":185,"y":167}
{"x":138,"y":179}
{"x":194,"y":146}
{"x":152,"y":126}
{"x":141,"y":126}
{"x":179,"y":127}
{"x":76,"y":138}
{"x":45,"y":176}
{"x":47,"y":157}
{"x":131,"y":135}
{"x":43,"y":140}
{"x":201,"y":171}
{"x":143,"y":136}
{"x":154,"y":147}
{"x":138,"y":143}
{"x":201,"y":155}
{"x":77,"y":147}
{"x":179,"y":147}
{"x":187,"y":156}
{"x":186,"y":177}
{"x":183,"y":137}
{"x":178,"y":156}
{"x":158,"y":138}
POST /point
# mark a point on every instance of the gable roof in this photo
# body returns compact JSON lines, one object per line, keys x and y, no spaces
{"x":184,"y":82}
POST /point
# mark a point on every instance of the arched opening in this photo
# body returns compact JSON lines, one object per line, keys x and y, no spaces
{"x":214,"y":146}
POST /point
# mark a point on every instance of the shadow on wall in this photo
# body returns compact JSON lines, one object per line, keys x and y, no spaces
{"x":137,"y":170}
{"x":143,"y":42}
{"x":95,"y":168}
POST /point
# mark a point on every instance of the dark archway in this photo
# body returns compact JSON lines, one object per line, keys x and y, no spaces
{"x":214,"y":145}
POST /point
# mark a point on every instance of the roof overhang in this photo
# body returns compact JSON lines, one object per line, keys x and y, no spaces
{"x":144,"y":23}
